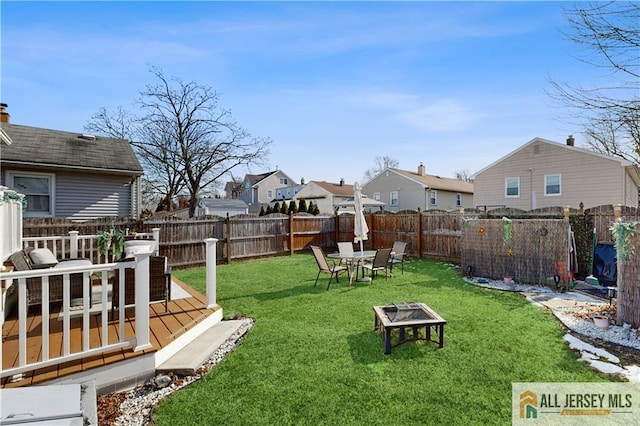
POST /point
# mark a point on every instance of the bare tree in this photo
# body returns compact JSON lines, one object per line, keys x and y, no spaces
{"x":609,"y":33}
{"x":197,"y":138}
{"x":464,"y":175}
{"x":604,"y":136}
{"x":380,"y":163}
{"x":119,"y":124}
{"x":183,"y":138}
{"x":161,"y":182}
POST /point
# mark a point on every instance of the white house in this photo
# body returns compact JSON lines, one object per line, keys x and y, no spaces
{"x":325,"y":194}
{"x":260,"y":190}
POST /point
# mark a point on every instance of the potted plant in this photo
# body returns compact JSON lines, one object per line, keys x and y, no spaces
{"x":601,"y":321}
{"x":111,"y":240}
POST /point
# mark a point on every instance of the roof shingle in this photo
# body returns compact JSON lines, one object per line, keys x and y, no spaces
{"x":55,"y":148}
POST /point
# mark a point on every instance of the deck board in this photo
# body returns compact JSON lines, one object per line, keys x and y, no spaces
{"x":165,"y":327}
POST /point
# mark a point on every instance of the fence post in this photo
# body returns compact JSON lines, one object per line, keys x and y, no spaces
{"x":567,"y":272}
{"x":617,"y":212}
{"x":372,"y":232}
{"x":211,"y":272}
{"x":227,"y":238}
{"x":142,"y":300}
{"x":73,"y":244}
{"x":156,"y":238}
{"x":419,"y":233}
{"x":291,"y":239}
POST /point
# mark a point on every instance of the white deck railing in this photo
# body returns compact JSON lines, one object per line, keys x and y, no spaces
{"x":29,"y":357}
{"x":75,"y":245}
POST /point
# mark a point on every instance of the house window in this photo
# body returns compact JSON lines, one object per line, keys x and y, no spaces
{"x":269,"y":193}
{"x":512,"y":187}
{"x":38,"y":188}
{"x":284,"y":181}
{"x":376,"y":196}
{"x":393,"y":198}
{"x":458,"y":200}
{"x":433,"y":198}
{"x":552,"y":185}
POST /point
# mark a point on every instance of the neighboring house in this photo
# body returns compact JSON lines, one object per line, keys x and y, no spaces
{"x":221,"y":207}
{"x":232,"y":190}
{"x":542,"y":173}
{"x":287,"y":193}
{"x":325,"y":194}
{"x":70,"y":175}
{"x":259,"y":190}
{"x":406,"y":190}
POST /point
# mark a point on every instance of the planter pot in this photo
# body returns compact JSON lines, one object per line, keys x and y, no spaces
{"x":508,"y":280}
{"x":601,"y":322}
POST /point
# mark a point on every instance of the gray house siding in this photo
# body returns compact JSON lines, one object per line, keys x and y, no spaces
{"x":82,"y":197}
{"x":87,"y":196}
{"x":410,"y":194}
{"x":413,"y":195}
{"x":71,"y":175}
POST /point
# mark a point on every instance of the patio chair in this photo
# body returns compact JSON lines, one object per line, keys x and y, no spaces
{"x":346,"y":249}
{"x":379,"y":263}
{"x":397,"y":255}
{"x":323,"y":266}
{"x":159,"y":284}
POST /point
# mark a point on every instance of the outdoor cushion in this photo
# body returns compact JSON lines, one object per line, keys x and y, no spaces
{"x":70,"y":263}
{"x":42,"y":256}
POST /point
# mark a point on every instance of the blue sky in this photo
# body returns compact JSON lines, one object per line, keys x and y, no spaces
{"x":455,"y":85}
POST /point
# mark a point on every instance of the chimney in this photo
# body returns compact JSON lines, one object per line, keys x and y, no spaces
{"x":421,"y":170}
{"x":301,"y":181}
{"x":570,"y":140}
{"x":341,"y":181}
{"x":4,"y":115}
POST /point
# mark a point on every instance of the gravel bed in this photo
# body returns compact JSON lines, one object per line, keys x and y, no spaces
{"x":614,"y":334}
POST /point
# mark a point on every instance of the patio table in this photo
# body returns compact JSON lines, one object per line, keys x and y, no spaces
{"x":353,"y":259}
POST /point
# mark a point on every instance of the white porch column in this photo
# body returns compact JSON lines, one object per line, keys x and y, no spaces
{"x":211,"y":271}
{"x":10,"y":222}
{"x":73,"y":244}
{"x":142,"y":300}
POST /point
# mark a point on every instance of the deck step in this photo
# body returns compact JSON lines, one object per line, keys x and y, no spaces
{"x":187,"y":361}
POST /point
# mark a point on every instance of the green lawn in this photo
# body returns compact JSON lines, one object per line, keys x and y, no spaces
{"x":312,"y":357}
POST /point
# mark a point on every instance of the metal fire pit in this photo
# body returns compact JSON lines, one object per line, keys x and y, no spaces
{"x":408,"y":315}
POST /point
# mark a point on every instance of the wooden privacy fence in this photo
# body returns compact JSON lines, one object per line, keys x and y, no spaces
{"x":431,"y":234}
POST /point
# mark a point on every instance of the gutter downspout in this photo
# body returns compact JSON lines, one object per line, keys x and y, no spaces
{"x":426,"y":198}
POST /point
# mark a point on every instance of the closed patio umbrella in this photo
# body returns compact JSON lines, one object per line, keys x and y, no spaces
{"x":360,"y":228}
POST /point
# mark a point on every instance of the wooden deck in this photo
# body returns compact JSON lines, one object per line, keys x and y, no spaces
{"x":165,"y":327}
